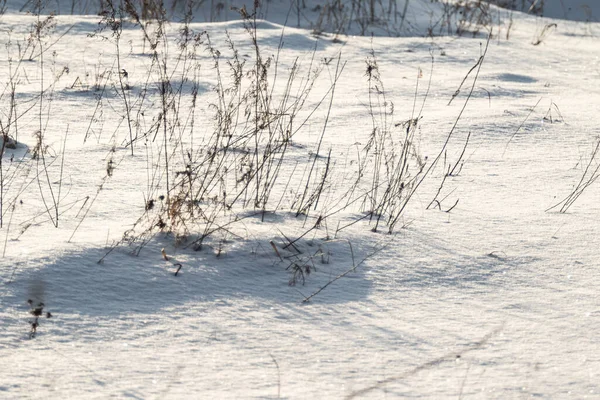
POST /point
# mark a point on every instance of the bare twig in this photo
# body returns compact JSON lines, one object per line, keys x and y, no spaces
{"x":278,"y":376}
{"x":354,"y":266}
{"x":449,"y":357}
{"x":521,"y":125}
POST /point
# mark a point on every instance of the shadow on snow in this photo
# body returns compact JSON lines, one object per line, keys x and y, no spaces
{"x":126,"y":284}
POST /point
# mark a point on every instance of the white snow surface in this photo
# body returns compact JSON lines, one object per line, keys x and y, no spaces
{"x":496,"y":299}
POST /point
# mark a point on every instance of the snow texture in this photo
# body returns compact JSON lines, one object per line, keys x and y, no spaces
{"x":498,"y":298}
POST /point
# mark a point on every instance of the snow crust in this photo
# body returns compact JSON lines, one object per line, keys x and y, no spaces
{"x":496,"y":299}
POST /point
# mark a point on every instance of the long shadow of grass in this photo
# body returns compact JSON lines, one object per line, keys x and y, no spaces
{"x":125,"y":284}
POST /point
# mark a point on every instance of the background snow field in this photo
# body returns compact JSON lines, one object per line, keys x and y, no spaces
{"x":312,"y":204}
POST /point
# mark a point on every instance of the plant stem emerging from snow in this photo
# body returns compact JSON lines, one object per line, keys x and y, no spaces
{"x":450,"y":357}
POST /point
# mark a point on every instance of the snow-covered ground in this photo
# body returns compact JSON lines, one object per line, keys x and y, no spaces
{"x":498,"y":298}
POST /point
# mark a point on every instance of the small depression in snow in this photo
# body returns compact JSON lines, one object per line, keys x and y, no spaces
{"x":508,"y":77}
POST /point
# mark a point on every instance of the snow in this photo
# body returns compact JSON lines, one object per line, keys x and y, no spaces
{"x":497,"y":298}
{"x":574,"y":10}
